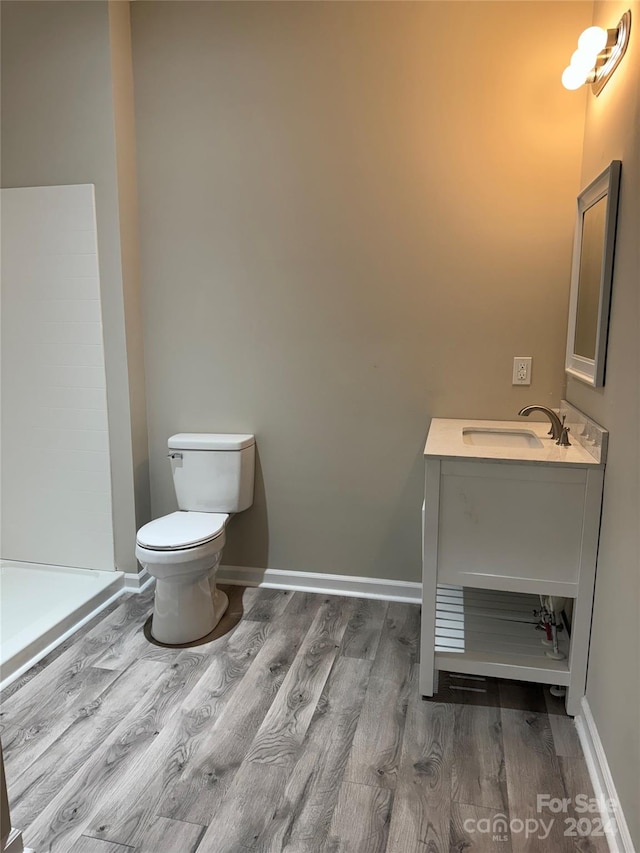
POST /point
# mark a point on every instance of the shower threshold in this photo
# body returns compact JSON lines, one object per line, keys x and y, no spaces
{"x":40,"y":606}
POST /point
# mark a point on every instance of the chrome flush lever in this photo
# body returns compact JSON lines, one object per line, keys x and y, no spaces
{"x":174,"y":455}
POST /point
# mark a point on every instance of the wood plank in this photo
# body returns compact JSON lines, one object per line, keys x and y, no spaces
{"x":303,"y":817}
{"x":422,"y":805}
{"x":198,"y":793}
{"x":247,"y":810}
{"x":563,"y":727}
{"x":306,"y":602}
{"x":126,"y":649}
{"x":576,"y":779}
{"x":29,"y":733}
{"x":362,"y":637}
{"x":281,"y":734}
{"x":35,"y":787}
{"x":565,"y":736}
{"x":84,"y":844}
{"x":361,"y":820}
{"x":532,"y":768}
{"x":170,"y":836}
{"x":478,"y":774}
{"x":66,"y":817}
{"x":268,"y":604}
{"x":479,"y":830}
{"x":126,"y":814}
{"x":375,"y":751}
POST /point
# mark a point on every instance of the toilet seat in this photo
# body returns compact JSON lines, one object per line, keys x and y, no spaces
{"x":182,"y":530}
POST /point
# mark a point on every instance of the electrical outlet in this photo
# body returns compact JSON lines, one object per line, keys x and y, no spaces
{"x":522,"y":370}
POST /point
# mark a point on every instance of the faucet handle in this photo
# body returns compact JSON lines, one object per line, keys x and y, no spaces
{"x":563,"y":441}
{"x":552,"y":428}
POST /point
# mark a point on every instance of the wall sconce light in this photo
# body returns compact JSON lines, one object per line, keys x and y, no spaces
{"x":598,"y":54}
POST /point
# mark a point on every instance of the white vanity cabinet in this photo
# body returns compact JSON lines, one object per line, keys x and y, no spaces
{"x":502,"y":526}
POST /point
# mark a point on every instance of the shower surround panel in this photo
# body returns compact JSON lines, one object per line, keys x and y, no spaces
{"x":56,"y":488}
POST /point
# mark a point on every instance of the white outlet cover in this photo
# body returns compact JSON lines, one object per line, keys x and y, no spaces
{"x":522,"y":370}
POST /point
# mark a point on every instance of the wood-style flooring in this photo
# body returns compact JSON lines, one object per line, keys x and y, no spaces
{"x":301,"y":729}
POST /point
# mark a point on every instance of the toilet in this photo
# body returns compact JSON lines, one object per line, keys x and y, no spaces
{"x":213,"y":478}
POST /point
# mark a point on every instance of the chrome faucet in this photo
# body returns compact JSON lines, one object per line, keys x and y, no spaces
{"x":558,"y":430}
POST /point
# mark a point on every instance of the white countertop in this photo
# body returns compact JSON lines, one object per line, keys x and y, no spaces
{"x":445,"y":441}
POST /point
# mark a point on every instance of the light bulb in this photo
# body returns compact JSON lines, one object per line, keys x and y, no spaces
{"x":593,"y":40}
{"x":573,"y":78}
{"x":583,"y":61}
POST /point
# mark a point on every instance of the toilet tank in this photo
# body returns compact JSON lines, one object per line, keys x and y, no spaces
{"x":213,"y":472}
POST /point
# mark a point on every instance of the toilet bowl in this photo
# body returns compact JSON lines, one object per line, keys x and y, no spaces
{"x":182,"y":551}
{"x":213,"y":478}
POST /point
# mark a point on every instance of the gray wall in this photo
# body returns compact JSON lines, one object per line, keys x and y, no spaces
{"x":353,"y":217}
{"x":125,"y":139}
{"x":59,"y":127}
{"x":613,"y":690}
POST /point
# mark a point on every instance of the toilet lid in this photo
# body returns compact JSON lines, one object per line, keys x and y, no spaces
{"x":181,"y":530}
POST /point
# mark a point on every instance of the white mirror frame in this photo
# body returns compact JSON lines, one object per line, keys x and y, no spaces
{"x":607,"y":184}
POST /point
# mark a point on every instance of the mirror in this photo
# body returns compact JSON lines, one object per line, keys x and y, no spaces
{"x":591,"y":276}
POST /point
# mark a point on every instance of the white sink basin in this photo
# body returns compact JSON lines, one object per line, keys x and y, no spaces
{"x":496,"y":437}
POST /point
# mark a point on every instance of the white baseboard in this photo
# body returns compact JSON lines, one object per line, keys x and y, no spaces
{"x":137,"y":581}
{"x":619,"y":837}
{"x":386,"y":590}
{"x":13,"y":844}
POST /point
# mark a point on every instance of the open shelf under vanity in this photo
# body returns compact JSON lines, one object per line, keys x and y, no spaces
{"x":491,"y":633}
